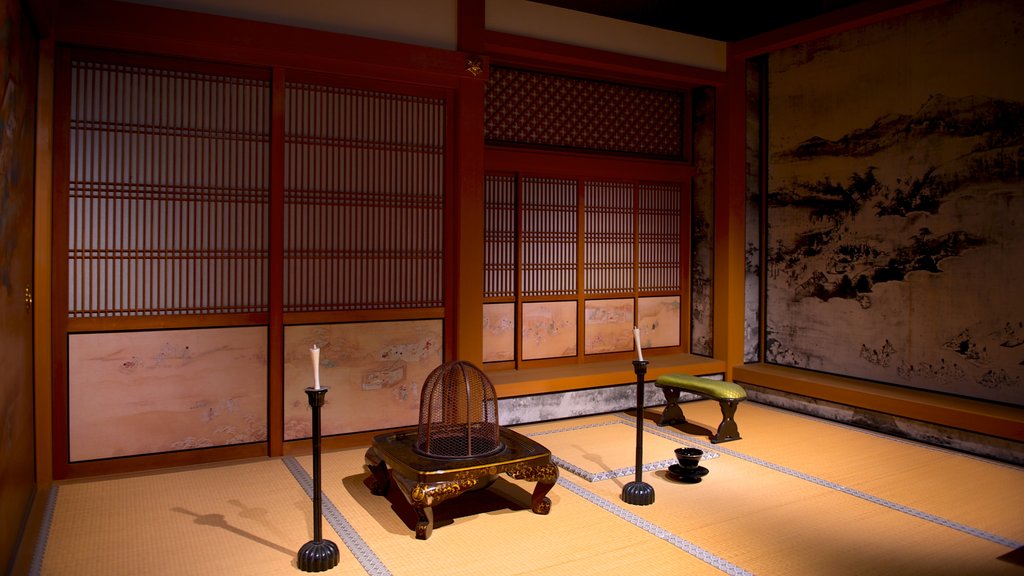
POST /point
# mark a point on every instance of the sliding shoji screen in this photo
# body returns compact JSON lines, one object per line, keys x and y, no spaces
{"x":577,"y":260}
{"x":162,"y":204}
{"x":168,"y":189}
{"x":660,"y":228}
{"x":500,"y":225}
{"x":549,"y":242}
{"x":364,"y":198}
{"x":608,"y":247}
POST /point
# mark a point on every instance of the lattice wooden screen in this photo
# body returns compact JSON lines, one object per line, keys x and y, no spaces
{"x":500,"y":218}
{"x":549,"y":236}
{"x":364,"y":198}
{"x":168,"y":192}
{"x":659,"y":237}
{"x":527,"y":107}
{"x":608,"y":255}
{"x":629,"y":248}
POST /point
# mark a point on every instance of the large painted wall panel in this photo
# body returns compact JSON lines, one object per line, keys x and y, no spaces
{"x":132,"y":393}
{"x":896,"y":202}
{"x":17,"y":154}
{"x":374,"y":372}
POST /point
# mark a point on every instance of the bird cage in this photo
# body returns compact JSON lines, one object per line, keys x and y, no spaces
{"x":458,"y":413}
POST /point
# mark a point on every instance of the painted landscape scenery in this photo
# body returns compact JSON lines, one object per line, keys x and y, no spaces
{"x":895,"y":238}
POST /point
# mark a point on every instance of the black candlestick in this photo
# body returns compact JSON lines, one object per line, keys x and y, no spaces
{"x":639,"y":492}
{"x":318,"y":554}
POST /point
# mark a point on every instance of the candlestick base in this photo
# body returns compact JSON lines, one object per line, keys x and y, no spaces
{"x":318,"y":556}
{"x":638,"y":493}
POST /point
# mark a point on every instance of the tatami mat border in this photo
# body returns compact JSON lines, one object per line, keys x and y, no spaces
{"x":608,"y":474}
{"x":655,"y":530}
{"x":355,"y":543}
{"x":626,"y":470}
{"x":44,"y":533}
{"x":373,"y":565}
{"x":861,"y":494}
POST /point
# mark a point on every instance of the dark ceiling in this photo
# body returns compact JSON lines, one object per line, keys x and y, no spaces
{"x":723,"y":20}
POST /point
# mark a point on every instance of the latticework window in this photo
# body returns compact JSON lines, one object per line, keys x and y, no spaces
{"x":549,"y":237}
{"x":364,"y":199}
{"x":599,"y":241}
{"x":534,"y":108}
{"x":608,"y":246}
{"x":500,"y":235}
{"x":168,"y":190}
{"x":659,"y":237}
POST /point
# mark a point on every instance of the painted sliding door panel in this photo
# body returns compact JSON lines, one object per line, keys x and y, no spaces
{"x":658,"y":319}
{"x":895,"y":241}
{"x":549,"y":330}
{"x":703,"y":223}
{"x":608,"y":325}
{"x":499,"y":336}
{"x":133,"y":393}
{"x":754,"y":186}
{"x":375,"y":372}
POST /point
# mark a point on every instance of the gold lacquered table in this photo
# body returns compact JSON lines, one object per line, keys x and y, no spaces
{"x":426,"y":481}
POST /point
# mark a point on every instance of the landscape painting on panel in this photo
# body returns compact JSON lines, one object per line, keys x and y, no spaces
{"x":549,"y":330}
{"x":895,"y":211}
{"x":133,"y":393}
{"x":499,"y":336}
{"x":609,"y":326}
{"x":658,"y":321}
{"x":374,"y":372}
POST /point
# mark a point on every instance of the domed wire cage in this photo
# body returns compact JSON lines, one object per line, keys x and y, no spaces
{"x":458,"y":414}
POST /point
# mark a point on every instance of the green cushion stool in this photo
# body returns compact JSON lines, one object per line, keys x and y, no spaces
{"x":728,"y":394}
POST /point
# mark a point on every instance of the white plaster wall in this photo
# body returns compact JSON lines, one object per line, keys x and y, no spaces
{"x":545,"y":22}
{"x":433,"y":23}
{"x":421,"y":22}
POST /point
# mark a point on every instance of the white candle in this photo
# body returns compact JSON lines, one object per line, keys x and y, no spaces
{"x":315,"y":353}
{"x":636,"y":336}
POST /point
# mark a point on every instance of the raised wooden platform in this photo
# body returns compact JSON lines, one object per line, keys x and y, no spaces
{"x":990,"y":418}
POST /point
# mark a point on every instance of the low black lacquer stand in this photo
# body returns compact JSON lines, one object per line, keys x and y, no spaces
{"x":318,"y":554}
{"x":639,"y":492}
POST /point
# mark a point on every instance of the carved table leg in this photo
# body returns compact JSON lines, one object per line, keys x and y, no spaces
{"x":545,"y":475}
{"x":727,"y":430}
{"x":425,"y":525}
{"x":380,"y":480}
{"x":423,"y":496}
{"x":672,"y":414}
{"x":541,"y":503}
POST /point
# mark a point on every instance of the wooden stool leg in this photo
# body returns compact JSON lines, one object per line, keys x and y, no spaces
{"x":380,"y":479}
{"x":672,"y":414}
{"x":727,"y":430}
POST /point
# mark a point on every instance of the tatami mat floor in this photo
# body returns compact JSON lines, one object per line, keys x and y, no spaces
{"x":796,"y":495}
